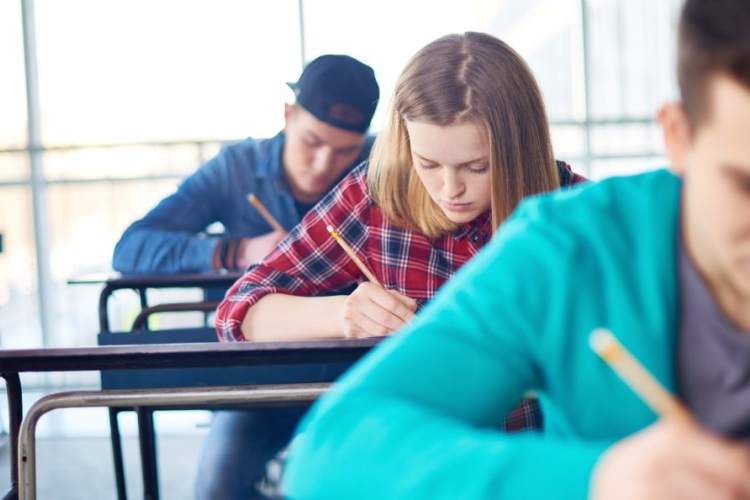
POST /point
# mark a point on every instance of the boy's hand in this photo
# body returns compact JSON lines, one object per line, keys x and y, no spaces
{"x":371,"y":311}
{"x":252,"y":250}
{"x":673,"y":461}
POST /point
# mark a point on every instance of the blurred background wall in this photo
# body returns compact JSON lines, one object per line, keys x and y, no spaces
{"x":106,"y":106}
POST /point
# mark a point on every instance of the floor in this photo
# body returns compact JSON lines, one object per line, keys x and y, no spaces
{"x":74,"y":456}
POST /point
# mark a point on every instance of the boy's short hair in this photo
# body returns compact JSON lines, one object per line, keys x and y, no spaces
{"x":714,"y":38}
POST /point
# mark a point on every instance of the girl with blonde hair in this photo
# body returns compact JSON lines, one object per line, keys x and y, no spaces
{"x":466,"y":139}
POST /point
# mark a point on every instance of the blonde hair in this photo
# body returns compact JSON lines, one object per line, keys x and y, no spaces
{"x":464,"y":78}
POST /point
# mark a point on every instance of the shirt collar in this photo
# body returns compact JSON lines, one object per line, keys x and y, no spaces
{"x":481,"y":223}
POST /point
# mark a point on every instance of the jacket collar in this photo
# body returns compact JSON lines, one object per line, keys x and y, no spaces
{"x":271,"y":164}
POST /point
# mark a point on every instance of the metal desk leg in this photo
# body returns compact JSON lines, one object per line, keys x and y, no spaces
{"x":15,"y":414}
{"x":147,"y":438}
{"x":114,"y":432}
{"x":246,"y":395}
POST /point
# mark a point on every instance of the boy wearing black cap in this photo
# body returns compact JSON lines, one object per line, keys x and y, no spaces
{"x":323,"y":137}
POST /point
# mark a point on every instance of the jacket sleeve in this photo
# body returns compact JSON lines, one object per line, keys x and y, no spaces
{"x":308,"y":262}
{"x":416,"y":419}
{"x":171,"y":238}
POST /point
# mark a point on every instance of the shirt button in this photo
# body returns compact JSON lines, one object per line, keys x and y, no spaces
{"x":474,"y":238}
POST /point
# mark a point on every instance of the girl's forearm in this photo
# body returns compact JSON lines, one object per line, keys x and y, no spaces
{"x":278,"y":317}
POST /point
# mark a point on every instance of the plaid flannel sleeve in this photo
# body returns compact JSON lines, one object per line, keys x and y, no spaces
{"x":527,"y":416}
{"x":308,"y":262}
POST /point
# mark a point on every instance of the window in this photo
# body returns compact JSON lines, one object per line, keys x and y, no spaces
{"x":135,"y":95}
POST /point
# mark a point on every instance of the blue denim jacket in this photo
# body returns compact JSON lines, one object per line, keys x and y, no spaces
{"x":171,"y":238}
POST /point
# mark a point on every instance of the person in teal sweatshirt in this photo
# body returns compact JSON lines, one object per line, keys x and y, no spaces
{"x":662,"y":259}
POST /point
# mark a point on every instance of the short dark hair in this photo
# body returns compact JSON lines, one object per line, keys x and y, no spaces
{"x":714,"y":38}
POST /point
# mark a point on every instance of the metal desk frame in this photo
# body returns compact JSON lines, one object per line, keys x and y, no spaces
{"x":140,"y":283}
{"x":157,"y":356}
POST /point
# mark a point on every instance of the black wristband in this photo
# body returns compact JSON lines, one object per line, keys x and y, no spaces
{"x":236,"y":254}
{"x":223,"y":253}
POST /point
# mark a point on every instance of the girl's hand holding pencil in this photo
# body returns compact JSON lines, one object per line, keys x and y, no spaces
{"x":371,"y":310}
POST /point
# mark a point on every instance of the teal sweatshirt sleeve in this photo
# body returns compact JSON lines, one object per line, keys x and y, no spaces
{"x":414,"y":420}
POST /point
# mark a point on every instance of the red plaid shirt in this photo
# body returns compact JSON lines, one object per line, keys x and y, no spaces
{"x":310,"y":262}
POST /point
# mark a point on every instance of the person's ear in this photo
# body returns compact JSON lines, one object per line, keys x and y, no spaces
{"x":288,"y":114}
{"x":675,"y":126}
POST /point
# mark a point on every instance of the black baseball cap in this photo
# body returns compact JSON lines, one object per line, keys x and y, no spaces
{"x":338,"y":90}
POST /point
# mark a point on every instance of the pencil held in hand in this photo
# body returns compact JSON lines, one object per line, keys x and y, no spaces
{"x":361,"y":265}
{"x":633,"y":373}
{"x":265,"y":213}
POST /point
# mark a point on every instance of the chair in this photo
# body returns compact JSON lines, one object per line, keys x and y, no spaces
{"x":178,"y":378}
{"x":141,"y":284}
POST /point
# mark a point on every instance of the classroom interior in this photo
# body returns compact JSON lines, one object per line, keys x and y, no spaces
{"x":106,"y":106}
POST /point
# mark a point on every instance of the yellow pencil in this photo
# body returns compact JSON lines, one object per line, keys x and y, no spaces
{"x":361,"y":265}
{"x":265,"y":213}
{"x":633,"y":373}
